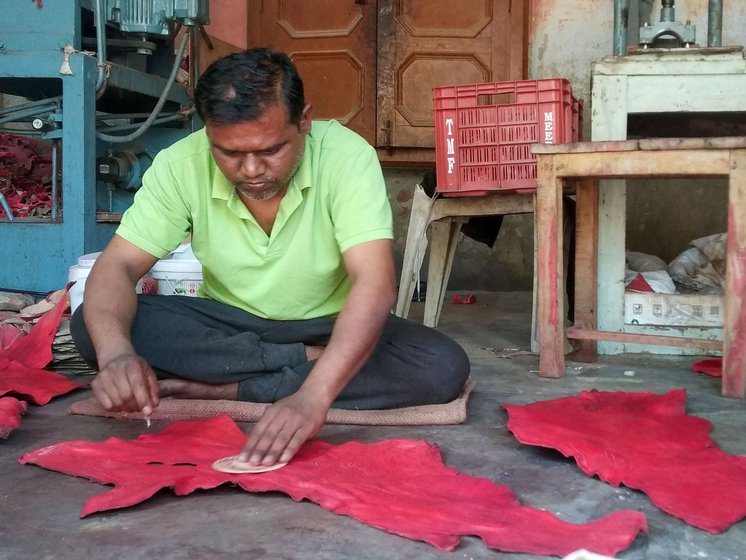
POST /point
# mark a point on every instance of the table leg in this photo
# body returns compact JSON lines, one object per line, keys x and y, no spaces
{"x":444,"y":239}
{"x":549,"y":220}
{"x":414,"y":250}
{"x":734,"y":328}
{"x":586,"y":264}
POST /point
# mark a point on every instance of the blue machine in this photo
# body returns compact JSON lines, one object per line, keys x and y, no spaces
{"x":97,"y":79}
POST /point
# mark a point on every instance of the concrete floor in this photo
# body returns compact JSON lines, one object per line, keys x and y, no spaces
{"x":39,"y":509}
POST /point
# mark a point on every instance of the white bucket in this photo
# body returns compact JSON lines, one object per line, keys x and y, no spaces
{"x":78,"y":274}
{"x":178,"y":274}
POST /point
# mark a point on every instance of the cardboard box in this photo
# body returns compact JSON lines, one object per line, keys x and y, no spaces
{"x":680,"y":310}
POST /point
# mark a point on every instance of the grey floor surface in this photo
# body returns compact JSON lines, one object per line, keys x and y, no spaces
{"x":39,"y":509}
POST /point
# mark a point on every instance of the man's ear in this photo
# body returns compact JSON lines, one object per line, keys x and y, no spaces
{"x":305,"y":119}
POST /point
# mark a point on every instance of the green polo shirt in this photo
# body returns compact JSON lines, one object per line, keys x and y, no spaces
{"x":336,"y":200}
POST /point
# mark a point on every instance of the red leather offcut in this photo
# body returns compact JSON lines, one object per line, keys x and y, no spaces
{"x":646,"y":442}
{"x":35,"y":349}
{"x":37,"y":385}
{"x":21,"y":363}
{"x":10,"y":415}
{"x":399,"y":486}
{"x":709,"y":366}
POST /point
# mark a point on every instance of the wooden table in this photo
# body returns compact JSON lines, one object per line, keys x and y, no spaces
{"x":589,"y":162}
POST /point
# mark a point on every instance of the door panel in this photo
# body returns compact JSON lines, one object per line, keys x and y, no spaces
{"x":332,"y":43}
{"x":372,"y":64}
{"x":423,"y":44}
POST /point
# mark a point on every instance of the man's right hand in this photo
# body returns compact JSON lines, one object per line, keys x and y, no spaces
{"x":126,"y":384}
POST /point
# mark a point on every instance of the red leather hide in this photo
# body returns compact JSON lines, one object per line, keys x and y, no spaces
{"x":400,"y":486}
{"x":646,"y":442}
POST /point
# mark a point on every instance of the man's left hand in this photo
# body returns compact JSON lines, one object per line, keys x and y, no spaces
{"x":283,"y":428}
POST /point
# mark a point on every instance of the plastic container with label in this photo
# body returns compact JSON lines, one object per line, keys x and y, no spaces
{"x":178,"y":274}
{"x":79,"y":273}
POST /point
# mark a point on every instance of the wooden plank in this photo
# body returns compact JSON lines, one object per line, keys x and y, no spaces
{"x":642,"y":164}
{"x":587,"y":147}
{"x":734,"y":348}
{"x":550,"y":274}
{"x":437,"y":280}
{"x":497,"y":204}
{"x":634,"y":338}
{"x":406,"y":157}
{"x":108,"y":217}
{"x":586,"y":264}
{"x":727,"y":142}
{"x":535,"y":344}
{"x":452,"y":242}
{"x":414,"y":250}
{"x":645,"y":144}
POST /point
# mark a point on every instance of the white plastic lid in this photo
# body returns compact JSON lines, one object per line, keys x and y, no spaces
{"x":181,"y":260}
{"x":182,"y":252}
{"x":87,"y":261}
{"x":177,"y":265}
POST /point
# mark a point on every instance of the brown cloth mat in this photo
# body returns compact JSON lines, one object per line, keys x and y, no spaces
{"x":453,"y":412}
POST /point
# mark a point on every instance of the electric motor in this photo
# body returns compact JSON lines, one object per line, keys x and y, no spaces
{"x":154,"y":16}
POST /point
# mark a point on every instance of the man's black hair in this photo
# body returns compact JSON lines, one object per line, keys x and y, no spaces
{"x":239,"y":87}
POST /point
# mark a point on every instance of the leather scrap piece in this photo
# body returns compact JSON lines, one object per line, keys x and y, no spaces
{"x":35,"y":349}
{"x":400,"y":486}
{"x":37,"y":385}
{"x":646,"y":442}
{"x":21,"y":363}
{"x":10,"y":415}
{"x":709,"y":366}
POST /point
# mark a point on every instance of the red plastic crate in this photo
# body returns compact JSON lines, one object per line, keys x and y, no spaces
{"x":483,"y":147}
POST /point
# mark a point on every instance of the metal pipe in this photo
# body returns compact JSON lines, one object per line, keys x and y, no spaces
{"x":30,"y":104}
{"x":6,"y":207}
{"x":100,"y":48}
{"x":32,"y":112}
{"x":161,"y":120}
{"x":668,"y":12}
{"x":25,"y":132}
{"x":715,"y":23}
{"x":158,"y":105}
{"x":118,"y":116}
{"x":55,"y":161}
{"x":621,"y":23}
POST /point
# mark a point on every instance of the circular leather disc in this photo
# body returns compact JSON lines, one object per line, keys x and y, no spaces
{"x":234,"y":466}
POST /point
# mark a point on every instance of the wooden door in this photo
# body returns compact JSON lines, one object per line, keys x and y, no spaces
{"x":332,"y":42}
{"x":427,"y":43}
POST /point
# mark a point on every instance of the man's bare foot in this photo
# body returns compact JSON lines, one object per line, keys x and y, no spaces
{"x":183,"y":389}
{"x":314,"y":352}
